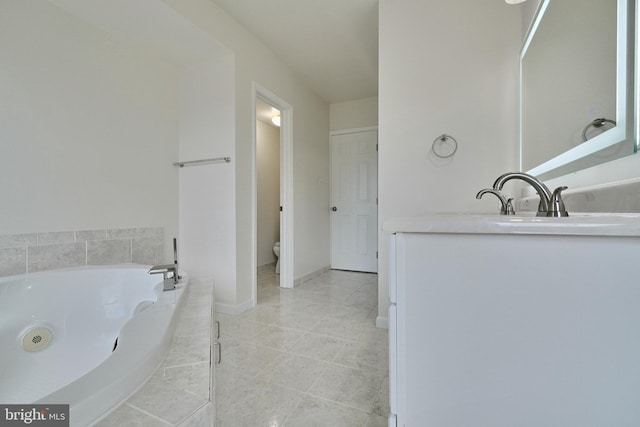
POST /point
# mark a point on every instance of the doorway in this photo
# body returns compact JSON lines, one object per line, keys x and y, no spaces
{"x":267,"y":103}
{"x":268,"y":187}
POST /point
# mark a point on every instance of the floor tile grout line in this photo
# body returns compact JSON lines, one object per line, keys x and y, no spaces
{"x":326,"y":368}
{"x":147,"y":413}
{"x":193,"y":413}
{"x":284,"y":422}
{"x":315,"y":396}
{"x":291,"y":352}
{"x":183,"y":365}
{"x":375,"y":371}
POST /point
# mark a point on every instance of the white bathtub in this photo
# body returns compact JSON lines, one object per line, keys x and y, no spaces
{"x":86,"y":310}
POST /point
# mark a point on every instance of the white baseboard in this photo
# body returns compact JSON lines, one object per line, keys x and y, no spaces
{"x":234,"y":309}
{"x":382,"y":322}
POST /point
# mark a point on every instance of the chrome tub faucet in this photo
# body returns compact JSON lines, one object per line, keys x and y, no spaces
{"x":169,"y":275}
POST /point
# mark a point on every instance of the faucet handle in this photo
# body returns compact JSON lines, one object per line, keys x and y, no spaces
{"x":162,"y":269}
{"x":556,"y":205}
{"x":510,"y":210}
{"x":506,"y":205}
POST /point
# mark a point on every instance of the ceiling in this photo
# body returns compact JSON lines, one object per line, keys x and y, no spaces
{"x":332,"y":45}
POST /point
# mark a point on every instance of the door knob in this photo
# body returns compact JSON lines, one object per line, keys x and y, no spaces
{"x":334,"y":209}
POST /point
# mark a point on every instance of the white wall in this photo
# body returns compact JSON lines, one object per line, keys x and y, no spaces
{"x":360,"y":113}
{"x":88,"y":127}
{"x":256,"y":63}
{"x":268,"y":164}
{"x":445,"y":67}
{"x":207,"y":191}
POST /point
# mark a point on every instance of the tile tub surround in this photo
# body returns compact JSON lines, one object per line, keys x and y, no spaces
{"x":33,"y":252}
{"x":177,"y":394}
{"x":308,"y":356}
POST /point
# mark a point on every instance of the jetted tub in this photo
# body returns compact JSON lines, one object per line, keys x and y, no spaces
{"x":87,"y":336}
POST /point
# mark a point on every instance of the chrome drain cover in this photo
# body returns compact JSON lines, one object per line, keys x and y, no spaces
{"x":36,"y":339}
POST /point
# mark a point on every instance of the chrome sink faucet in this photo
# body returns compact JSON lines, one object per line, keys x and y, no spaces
{"x":551,"y":203}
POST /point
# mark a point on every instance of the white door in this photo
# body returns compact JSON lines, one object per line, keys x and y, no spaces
{"x":354,"y":196}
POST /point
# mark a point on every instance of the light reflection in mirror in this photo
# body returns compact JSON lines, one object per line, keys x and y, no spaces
{"x":574,"y":70}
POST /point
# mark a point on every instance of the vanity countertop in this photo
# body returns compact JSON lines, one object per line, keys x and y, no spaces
{"x":587,"y":224}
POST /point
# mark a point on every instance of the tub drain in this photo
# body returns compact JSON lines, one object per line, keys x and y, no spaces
{"x":36,"y":339}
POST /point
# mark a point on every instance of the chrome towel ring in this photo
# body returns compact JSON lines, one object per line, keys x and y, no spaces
{"x":444,"y":146}
{"x":596,"y":123}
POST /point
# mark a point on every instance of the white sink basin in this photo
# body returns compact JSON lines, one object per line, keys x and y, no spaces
{"x":585,"y":224}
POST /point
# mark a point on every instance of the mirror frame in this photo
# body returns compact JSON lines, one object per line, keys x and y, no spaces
{"x":626,"y":114}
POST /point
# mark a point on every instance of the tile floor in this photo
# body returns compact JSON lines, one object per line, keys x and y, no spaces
{"x":304,"y":357}
{"x":308,"y":356}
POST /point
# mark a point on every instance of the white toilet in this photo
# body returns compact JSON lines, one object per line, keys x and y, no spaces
{"x":276,"y":250}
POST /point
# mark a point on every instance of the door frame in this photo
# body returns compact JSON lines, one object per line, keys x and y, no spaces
{"x":331,"y":201}
{"x":286,"y":189}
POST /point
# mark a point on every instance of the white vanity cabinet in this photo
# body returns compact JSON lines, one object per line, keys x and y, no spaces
{"x":498,"y":321}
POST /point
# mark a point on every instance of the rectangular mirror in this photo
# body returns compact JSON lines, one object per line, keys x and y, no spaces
{"x":577,"y":86}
